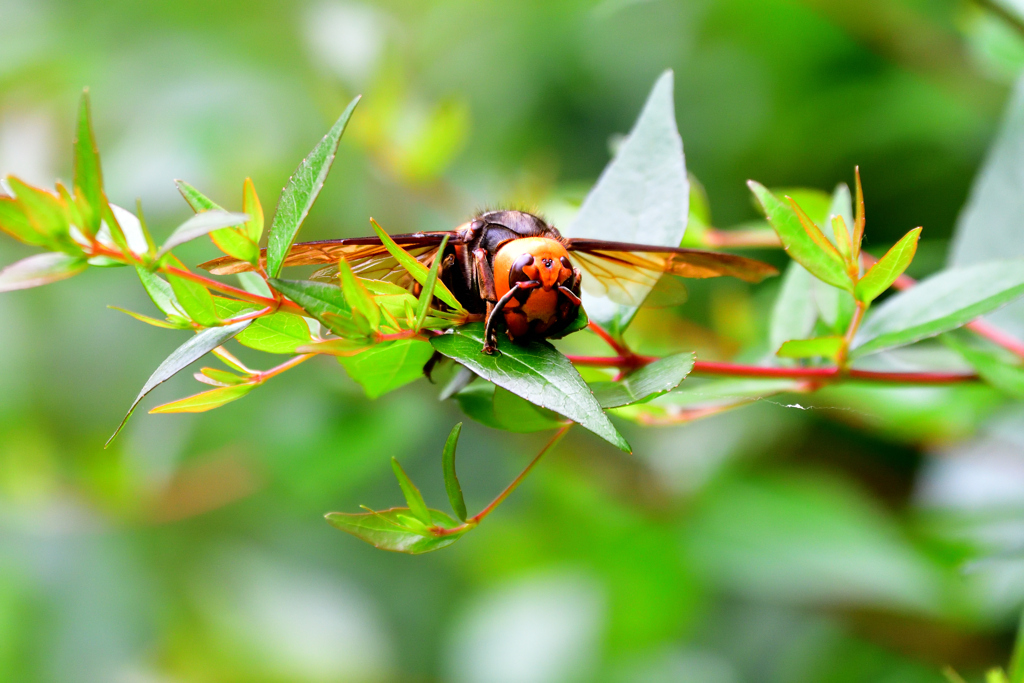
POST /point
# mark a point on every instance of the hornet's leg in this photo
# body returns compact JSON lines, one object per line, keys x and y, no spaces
{"x":490,"y":337}
{"x":484,"y":276}
{"x":570,"y":295}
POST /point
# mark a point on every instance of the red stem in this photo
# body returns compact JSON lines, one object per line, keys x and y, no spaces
{"x":604,"y":334}
{"x":718,"y":369}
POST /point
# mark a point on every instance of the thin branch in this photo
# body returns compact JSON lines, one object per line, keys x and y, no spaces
{"x":263,"y":376}
{"x":475,"y":519}
{"x":718,"y":369}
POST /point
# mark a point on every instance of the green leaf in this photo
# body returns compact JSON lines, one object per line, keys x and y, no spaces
{"x":357,"y":297}
{"x":160,"y":292}
{"x":652,"y":380}
{"x":797,"y":243}
{"x":427,"y":295}
{"x":451,"y":480}
{"x":207,"y":400}
{"x":15,"y":223}
{"x":889,"y":268}
{"x":945,"y":301}
{"x":254,"y":284}
{"x":824,"y":347}
{"x":994,"y":367}
{"x":251,"y":205}
{"x":989,"y":227}
{"x":298,"y":195}
{"x":498,"y":408}
{"x":534,"y":371}
{"x":274,"y":333}
{"x":388,"y":365}
{"x":166,"y":324}
{"x":224,"y":378}
{"x":40,"y":269}
{"x":199,"y":225}
{"x":413,"y":497}
{"x":236,"y":242}
{"x":186,"y":354}
{"x":642,"y":196}
{"x":88,"y":174}
{"x":794,"y":312}
{"x":385,"y":530}
{"x":195,"y":299}
{"x":43,"y":209}
{"x":416,"y":269}
{"x":322,"y":301}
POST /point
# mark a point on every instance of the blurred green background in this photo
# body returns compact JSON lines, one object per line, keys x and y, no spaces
{"x":876,"y":536}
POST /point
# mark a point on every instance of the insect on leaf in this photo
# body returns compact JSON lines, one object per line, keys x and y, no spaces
{"x":302,"y":189}
{"x":451,"y":480}
{"x":40,"y":269}
{"x":652,"y":380}
{"x":207,"y":400}
{"x":413,"y":497}
{"x":889,"y":268}
{"x":186,"y":354}
{"x":386,"y":530}
{"x":534,"y":371}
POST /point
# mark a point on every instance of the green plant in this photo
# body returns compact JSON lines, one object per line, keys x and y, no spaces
{"x":384,"y":335}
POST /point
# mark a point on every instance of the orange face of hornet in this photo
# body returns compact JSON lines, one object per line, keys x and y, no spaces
{"x":548,"y":295}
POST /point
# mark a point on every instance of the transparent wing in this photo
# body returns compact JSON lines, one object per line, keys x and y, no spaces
{"x":626,"y":273}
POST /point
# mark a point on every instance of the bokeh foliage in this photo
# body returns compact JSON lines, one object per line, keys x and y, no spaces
{"x":838,"y":543}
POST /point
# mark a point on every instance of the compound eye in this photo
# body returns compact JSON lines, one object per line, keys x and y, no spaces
{"x":565,"y":263}
{"x":516,"y":274}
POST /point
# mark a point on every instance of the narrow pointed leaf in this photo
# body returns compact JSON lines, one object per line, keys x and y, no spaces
{"x":160,"y":292}
{"x":186,"y":354}
{"x":88,"y":174}
{"x":534,"y":371}
{"x":199,"y":225}
{"x":942,"y":302}
{"x":298,"y":195}
{"x":44,"y":210}
{"x":356,"y":295}
{"x":416,"y":269}
{"x":652,"y":380}
{"x":41,"y":269}
{"x":815,"y":233}
{"x":427,"y":295}
{"x":858,"y":221}
{"x":233,"y":241}
{"x":797,"y":243}
{"x":15,"y":223}
{"x":152,"y":321}
{"x":889,"y":268}
{"x":195,"y":299}
{"x":413,"y":497}
{"x":207,"y":400}
{"x":385,"y":530}
{"x":842,"y":235}
{"x":251,"y":206}
{"x":451,"y":480}
{"x":222,"y":377}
